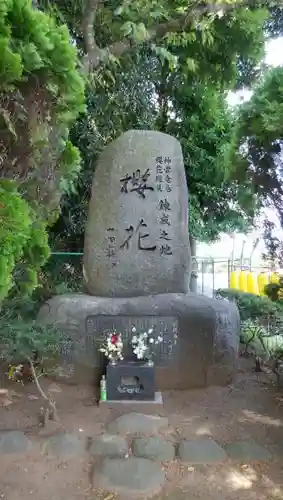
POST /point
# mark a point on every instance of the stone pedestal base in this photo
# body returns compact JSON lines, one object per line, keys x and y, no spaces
{"x":130,"y":381}
{"x":204,"y":352}
{"x":136,"y":406}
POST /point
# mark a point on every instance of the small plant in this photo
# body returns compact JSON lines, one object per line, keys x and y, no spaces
{"x":250,"y":306}
{"x":143,"y":343}
{"x":29,"y":347}
{"x":265,"y":341}
{"x":112,"y":346}
{"x":251,"y":335}
{"x":275,"y":290}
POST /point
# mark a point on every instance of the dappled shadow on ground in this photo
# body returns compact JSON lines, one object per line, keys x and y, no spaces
{"x":228,"y":481}
{"x":249,"y":410}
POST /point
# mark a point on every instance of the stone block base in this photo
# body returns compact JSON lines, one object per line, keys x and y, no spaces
{"x":204,"y":353}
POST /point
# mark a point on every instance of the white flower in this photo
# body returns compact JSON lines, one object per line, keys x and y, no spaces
{"x":151,"y":340}
{"x":150,"y":330}
{"x":112,"y":351}
{"x":134,"y":329}
{"x":160,"y":339}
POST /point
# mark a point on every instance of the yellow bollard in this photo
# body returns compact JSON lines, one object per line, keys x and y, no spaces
{"x":252,"y":286}
{"x":234,"y":280}
{"x":274,"y":278}
{"x":243,"y":281}
{"x":262,"y":281}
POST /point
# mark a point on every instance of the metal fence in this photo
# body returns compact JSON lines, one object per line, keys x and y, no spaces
{"x":213,"y":274}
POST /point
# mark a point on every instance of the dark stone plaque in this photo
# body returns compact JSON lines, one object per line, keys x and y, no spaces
{"x":129,"y":380}
{"x":84,"y":346}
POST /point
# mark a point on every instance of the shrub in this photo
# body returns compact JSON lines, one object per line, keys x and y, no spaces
{"x":250,"y":306}
{"x":275,"y":290}
{"x":41,"y":95}
{"x":263,"y":342}
{"x":32,"y":349}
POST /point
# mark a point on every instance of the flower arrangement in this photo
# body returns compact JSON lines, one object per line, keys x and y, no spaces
{"x":112,"y":347}
{"x":142,"y":343}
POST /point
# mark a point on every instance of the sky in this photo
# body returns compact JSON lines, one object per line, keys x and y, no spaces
{"x":223,"y":248}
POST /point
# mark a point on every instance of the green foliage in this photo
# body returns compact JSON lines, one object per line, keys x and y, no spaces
{"x":183,"y":96}
{"x":275,"y":292}
{"x":164,"y":24}
{"x":117,"y":100}
{"x":35,"y":52}
{"x":24,"y":242}
{"x":265,"y":342}
{"x":170,"y":81}
{"x":31,"y":42}
{"x":261,"y":323}
{"x":260,"y":135}
{"x":217,"y":202}
{"x":21,"y":339}
{"x":251,"y":330}
{"x":250,"y":306}
{"x":274,"y":23}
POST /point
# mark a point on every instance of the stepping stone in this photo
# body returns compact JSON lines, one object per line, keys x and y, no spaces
{"x":132,"y":476}
{"x":109,"y":445}
{"x":247,"y":452}
{"x":14,"y":442}
{"x":63,"y":444}
{"x":137,"y":423}
{"x":201,"y":451}
{"x":154,"y":448}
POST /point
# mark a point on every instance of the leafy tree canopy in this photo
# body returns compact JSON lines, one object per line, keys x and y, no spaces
{"x":182,"y":94}
{"x":260,"y":136}
{"x":107,"y":30}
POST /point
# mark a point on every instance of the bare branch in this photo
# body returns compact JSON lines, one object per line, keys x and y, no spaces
{"x":51,"y":403}
{"x":101,"y":56}
{"x":92,"y":49}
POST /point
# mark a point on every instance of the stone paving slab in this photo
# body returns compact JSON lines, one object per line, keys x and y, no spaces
{"x":14,"y":442}
{"x":132,"y":476}
{"x":247,"y":452}
{"x":63,"y":444}
{"x":109,"y":445}
{"x":200,"y":451}
{"x":149,"y":450}
{"x":137,"y":423}
{"x":154,"y":448}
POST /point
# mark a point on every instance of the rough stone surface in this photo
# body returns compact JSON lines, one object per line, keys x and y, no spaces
{"x":200,"y":451}
{"x":14,"y":442}
{"x":134,"y":476}
{"x":154,"y":448}
{"x":137,"y":423}
{"x":63,"y":444}
{"x":109,"y":445}
{"x":132,"y":281}
{"x":207,"y":343}
{"x":136,"y":242}
{"x":247,"y":452}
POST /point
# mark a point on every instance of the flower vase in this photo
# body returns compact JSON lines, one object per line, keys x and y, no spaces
{"x":113,"y":362}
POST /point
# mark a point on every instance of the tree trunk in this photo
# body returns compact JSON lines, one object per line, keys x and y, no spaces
{"x":194,"y":273}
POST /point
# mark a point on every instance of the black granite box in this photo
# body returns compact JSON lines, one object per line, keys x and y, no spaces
{"x":130,"y":380}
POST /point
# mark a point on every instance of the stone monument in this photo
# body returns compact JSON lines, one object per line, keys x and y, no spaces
{"x":137,"y":270}
{"x":136,"y":240}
